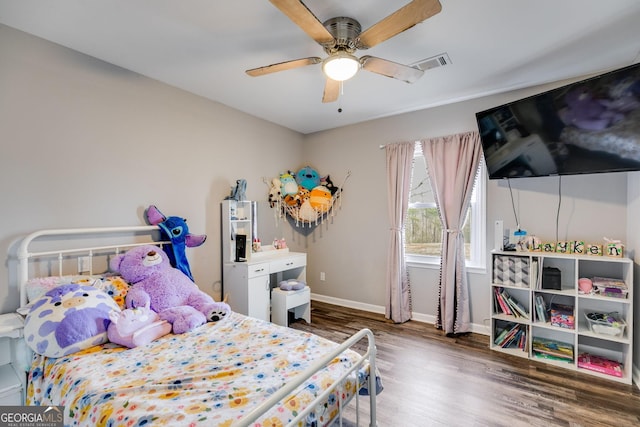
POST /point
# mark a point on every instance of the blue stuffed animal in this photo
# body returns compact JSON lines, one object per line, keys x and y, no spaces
{"x":308,"y":178}
{"x":175,"y":229}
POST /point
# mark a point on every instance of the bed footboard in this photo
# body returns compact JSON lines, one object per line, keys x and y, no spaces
{"x":368,"y":357}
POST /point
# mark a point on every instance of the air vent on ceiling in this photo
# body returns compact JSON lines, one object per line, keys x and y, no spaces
{"x":433,"y":62}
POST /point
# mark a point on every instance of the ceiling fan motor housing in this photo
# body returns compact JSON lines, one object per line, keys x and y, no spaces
{"x":345,"y":31}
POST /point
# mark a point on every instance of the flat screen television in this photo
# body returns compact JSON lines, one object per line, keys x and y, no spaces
{"x":590,"y":126}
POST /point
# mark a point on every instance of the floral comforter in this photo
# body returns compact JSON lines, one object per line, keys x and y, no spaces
{"x":211,"y":376}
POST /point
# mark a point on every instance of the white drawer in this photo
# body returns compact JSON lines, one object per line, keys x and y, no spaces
{"x":288,"y":263}
{"x":255,"y":270}
{"x":291,"y":299}
{"x":297,"y":298}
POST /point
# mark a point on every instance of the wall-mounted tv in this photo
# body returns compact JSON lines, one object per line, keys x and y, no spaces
{"x":590,"y":126}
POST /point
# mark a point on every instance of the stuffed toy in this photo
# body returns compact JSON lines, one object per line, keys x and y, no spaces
{"x":326,"y":181}
{"x":175,"y":229}
{"x":298,"y":198}
{"x":134,"y":327}
{"x":584,"y":111}
{"x":275,"y":194}
{"x":320,"y":199}
{"x":288,"y":184}
{"x":238,"y":192}
{"x":306,"y":212}
{"x":67,"y":319}
{"x":292,"y":200}
{"x":166,"y":290}
{"x":308,"y":177}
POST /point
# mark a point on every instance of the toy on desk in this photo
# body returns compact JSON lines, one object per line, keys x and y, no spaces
{"x":256,"y":246}
{"x":280,"y":243}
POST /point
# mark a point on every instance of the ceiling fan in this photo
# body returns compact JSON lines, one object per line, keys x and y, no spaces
{"x":341,"y":37}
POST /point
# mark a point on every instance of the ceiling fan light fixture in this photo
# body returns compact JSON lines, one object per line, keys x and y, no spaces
{"x":340,"y":66}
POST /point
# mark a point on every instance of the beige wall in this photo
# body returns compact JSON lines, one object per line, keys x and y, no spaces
{"x":84,"y":143}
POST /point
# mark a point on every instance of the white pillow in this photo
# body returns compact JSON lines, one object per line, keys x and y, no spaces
{"x":67,"y":319}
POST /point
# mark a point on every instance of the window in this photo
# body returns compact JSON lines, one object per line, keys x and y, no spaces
{"x":423,"y":229}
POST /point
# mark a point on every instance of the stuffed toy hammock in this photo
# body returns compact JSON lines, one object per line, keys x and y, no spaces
{"x":305,"y":197}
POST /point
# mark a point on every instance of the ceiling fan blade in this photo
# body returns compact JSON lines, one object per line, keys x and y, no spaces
{"x":399,"y":21}
{"x":281,"y":66}
{"x":331,"y":90}
{"x":391,"y":69}
{"x":300,"y":14}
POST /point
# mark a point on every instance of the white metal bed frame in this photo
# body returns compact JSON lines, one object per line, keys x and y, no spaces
{"x":26,"y":256}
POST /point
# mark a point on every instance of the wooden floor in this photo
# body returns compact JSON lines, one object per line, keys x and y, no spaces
{"x":433,"y":380}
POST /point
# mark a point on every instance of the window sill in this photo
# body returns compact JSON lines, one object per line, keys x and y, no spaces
{"x":433,"y":263}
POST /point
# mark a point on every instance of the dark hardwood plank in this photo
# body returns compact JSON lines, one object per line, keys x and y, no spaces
{"x":433,"y":380}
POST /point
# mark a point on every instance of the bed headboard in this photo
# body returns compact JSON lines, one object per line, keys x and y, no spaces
{"x":77,"y":250}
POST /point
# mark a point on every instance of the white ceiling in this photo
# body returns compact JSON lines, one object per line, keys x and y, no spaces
{"x":204,"y":47}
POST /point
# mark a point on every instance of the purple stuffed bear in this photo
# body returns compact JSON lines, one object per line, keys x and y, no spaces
{"x":165,"y":289}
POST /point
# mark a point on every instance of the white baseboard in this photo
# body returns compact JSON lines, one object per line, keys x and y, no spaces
{"x":418,"y":317}
{"x":348,"y":303}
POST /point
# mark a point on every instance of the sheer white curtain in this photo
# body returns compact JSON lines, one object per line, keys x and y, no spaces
{"x":452,"y":163}
{"x":399,"y":166}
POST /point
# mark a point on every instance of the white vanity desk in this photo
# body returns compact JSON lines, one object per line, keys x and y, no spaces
{"x":248,"y":286}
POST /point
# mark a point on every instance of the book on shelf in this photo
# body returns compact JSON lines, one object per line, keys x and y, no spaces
{"x":541,"y":309}
{"x":513,"y":335}
{"x":502,"y":305}
{"x":503,"y":333}
{"x":600,"y":364}
{"x":508,"y":304}
{"x":518,"y":308}
{"x":552,"y":349}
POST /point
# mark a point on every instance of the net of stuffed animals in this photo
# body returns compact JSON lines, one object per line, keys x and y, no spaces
{"x":305,"y":196}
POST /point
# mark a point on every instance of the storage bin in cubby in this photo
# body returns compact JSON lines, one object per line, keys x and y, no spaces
{"x":607,"y":324}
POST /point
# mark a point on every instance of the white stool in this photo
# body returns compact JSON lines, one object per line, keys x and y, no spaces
{"x":284,"y":301}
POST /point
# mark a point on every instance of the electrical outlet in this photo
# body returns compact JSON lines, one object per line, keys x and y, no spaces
{"x":84,"y":264}
{"x":322,"y":276}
